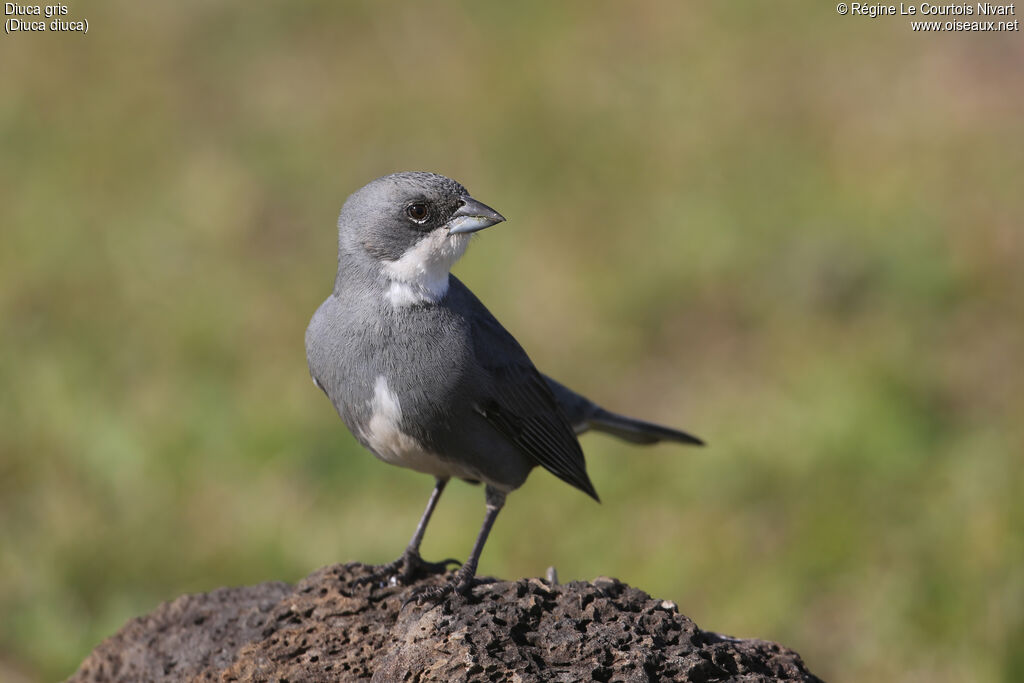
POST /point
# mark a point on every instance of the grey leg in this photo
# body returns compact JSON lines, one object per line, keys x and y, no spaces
{"x":410,"y":563}
{"x":417,"y":538}
{"x":464,"y":577}
{"x":462,"y":582}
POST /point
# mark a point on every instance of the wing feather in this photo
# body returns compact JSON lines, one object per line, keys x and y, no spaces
{"x":522,"y":407}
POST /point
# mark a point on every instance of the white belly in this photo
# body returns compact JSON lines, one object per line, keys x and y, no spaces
{"x":385,"y":438}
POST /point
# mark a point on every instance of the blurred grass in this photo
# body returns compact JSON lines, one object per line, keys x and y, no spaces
{"x":796,"y":234}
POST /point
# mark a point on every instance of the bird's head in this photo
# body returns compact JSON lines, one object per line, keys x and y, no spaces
{"x":415,"y":226}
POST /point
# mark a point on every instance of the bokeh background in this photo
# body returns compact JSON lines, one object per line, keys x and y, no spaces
{"x":796,"y":234}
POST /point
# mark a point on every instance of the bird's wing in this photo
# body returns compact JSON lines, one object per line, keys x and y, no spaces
{"x":521,"y":405}
{"x":578,"y":409}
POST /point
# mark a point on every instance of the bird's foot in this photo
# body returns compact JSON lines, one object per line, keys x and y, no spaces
{"x":459,"y":586}
{"x":405,"y":569}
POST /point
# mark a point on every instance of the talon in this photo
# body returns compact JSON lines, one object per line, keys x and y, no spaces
{"x":463,"y":585}
{"x":433,"y":595}
{"x":434,"y":567}
{"x":404,"y":570}
{"x":460,"y":585}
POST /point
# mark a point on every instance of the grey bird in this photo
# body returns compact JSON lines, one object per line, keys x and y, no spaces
{"x":425,"y":377}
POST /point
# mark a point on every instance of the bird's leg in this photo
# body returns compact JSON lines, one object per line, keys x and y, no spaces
{"x":463,"y":580}
{"x":467,"y":572}
{"x":410,"y":563}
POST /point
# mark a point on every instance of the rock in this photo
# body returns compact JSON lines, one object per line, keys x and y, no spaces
{"x":329,"y":628}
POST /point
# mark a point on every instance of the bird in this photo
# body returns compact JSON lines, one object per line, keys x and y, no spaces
{"x":426,"y":378}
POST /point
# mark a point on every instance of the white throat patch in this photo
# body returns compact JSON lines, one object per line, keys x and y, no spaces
{"x":421,"y":274}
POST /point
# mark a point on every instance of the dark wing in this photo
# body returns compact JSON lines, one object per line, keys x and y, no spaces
{"x":521,"y":405}
{"x":577,"y":409}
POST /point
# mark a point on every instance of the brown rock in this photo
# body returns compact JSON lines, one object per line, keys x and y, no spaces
{"x":327,"y":628}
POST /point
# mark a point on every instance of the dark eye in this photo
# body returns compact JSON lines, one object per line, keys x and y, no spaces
{"x":418,"y":212}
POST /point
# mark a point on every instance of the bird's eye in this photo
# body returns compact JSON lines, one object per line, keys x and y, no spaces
{"x":417,"y":211}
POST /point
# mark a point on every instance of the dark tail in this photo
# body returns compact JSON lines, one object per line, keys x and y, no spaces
{"x":636,"y":431}
{"x":584,"y":415}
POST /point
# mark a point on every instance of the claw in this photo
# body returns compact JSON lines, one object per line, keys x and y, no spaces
{"x":405,"y":569}
{"x":460,"y":585}
{"x":379,"y":573}
{"x":427,"y":594}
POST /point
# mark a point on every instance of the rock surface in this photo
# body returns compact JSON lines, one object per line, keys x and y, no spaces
{"x":328,"y":628}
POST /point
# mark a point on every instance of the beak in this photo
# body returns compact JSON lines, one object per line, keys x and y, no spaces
{"x":473,"y":216}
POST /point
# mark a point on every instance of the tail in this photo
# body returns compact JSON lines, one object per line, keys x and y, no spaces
{"x":636,"y":431}
{"x":585,"y":415}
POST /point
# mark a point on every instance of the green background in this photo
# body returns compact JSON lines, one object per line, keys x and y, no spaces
{"x":794,"y":233}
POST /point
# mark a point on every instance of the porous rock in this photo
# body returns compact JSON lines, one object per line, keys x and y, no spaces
{"x":331,"y":628}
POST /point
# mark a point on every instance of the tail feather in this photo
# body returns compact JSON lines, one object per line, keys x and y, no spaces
{"x":638,"y":431}
{"x":584,"y":415}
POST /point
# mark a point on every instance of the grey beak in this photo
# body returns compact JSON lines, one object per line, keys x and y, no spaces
{"x":473,"y":216}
